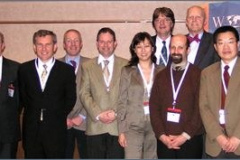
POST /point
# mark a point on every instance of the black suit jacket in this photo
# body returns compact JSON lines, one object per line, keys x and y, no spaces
{"x":57,"y":100}
{"x":9,"y":105}
{"x":206,"y":54}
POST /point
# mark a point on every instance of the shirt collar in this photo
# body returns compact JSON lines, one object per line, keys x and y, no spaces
{"x":199,"y":35}
{"x":74,"y":58}
{"x":50,"y":62}
{"x":230,"y":64}
{"x":101,"y":58}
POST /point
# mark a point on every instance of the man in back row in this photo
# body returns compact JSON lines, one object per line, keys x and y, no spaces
{"x":76,"y":121}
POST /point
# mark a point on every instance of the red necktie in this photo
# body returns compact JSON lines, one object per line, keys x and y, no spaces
{"x":195,"y":38}
{"x":226,"y":75}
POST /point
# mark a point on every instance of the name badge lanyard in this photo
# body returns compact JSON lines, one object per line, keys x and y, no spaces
{"x":146,"y":85}
{"x":175,"y":92}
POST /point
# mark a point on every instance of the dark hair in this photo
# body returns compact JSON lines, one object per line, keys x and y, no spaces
{"x":140,"y":37}
{"x":165,"y":11}
{"x":106,"y":30}
{"x":223,"y":29}
{"x":43,"y":33}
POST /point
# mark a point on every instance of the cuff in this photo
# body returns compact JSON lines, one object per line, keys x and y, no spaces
{"x":184,"y":134}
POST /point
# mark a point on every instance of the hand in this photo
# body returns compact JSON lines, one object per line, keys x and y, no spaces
{"x":107,"y":116}
{"x":69,"y":123}
{"x":177,"y":141}
{"x":223,"y":142}
{"x":166,"y":140}
{"x":233,"y":144}
{"x":78,"y":120}
{"x":122,"y":140}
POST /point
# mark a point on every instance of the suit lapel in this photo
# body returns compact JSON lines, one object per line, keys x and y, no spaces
{"x":233,"y":85}
{"x":202,"y":50}
{"x":137,"y":75}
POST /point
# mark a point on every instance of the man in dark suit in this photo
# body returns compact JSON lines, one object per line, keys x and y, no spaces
{"x":9,"y":106}
{"x":163,"y":22}
{"x":48,"y":93}
{"x":202,"y":52}
{"x":76,"y":120}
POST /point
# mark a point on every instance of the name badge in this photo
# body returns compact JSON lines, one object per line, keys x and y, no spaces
{"x":146,"y":108}
{"x":173,"y":115}
{"x":221,"y":116}
{"x":10,"y":90}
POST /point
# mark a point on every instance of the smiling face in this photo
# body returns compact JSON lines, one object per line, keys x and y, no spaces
{"x":163,"y":25}
{"x":143,"y":50}
{"x":179,"y":49}
{"x":195,"y":20}
{"x":72,"y":43}
{"x":106,"y":44}
{"x":227,"y":46}
{"x":44,"y":47}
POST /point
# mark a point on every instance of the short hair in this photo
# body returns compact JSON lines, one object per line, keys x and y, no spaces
{"x":140,"y":37}
{"x":43,"y":33}
{"x":199,"y":7}
{"x":106,"y":30}
{"x":2,"y":37}
{"x":165,"y":11}
{"x":224,"y":29}
{"x":72,"y":30}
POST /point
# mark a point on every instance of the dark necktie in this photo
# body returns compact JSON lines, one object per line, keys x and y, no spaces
{"x":74,"y":64}
{"x":226,"y":75}
{"x":164,"y":52}
{"x":195,"y":38}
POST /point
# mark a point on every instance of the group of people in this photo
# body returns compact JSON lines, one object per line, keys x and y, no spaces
{"x":175,"y":98}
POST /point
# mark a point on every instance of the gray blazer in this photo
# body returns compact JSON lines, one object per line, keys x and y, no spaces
{"x":95,"y":97}
{"x":130,"y":103}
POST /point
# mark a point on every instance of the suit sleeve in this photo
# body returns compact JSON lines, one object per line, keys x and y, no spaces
{"x":70,"y":90}
{"x":210,"y":123}
{"x":88,"y":102}
{"x":194,"y":124}
{"x":155,"y":108}
{"x":122,"y":101}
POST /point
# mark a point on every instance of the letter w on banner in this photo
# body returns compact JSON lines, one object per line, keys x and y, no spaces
{"x":224,"y":13}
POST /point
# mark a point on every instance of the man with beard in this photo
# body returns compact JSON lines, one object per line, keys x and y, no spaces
{"x":174,"y":109}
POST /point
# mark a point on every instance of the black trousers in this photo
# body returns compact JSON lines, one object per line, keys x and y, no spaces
{"x":8,"y":150}
{"x":75,"y":135}
{"x":191,"y":149}
{"x":104,"y":146}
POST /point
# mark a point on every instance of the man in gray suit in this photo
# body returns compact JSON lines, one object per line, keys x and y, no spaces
{"x":202,"y":52}
{"x":76,"y":121}
{"x":220,"y":98}
{"x":9,"y":106}
{"x":99,"y":95}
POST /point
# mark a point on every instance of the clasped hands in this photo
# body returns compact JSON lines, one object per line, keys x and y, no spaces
{"x":228,"y":144}
{"x":107,"y":116}
{"x":173,"y":141}
{"x":78,"y":120}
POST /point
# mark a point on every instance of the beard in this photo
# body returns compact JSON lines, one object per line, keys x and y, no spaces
{"x":176,"y":58}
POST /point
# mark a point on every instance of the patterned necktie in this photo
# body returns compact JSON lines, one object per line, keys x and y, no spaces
{"x":195,"y":38}
{"x":164,"y":52}
{"x":226,"y":75}
{"x":44,"y":73}
{"x":106,"y":72}
{"x":74,"y":64}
